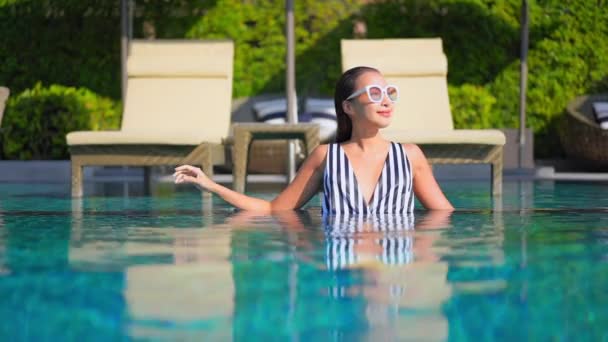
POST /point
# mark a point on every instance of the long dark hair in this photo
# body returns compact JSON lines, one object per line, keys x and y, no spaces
{"x":345,"y":87}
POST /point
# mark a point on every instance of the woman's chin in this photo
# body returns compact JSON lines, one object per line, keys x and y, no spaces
{"x":383,"y":122}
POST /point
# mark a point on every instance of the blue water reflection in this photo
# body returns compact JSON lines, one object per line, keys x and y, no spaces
{"x":179,"y":267}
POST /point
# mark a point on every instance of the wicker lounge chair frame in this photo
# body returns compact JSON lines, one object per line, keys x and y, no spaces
{"x":246,"y":133}
{"x":581,"y":136}
{"x":423,"y":115}
{"x":177,"y":110}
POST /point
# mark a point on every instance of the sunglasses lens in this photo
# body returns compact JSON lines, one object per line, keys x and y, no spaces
{"x":375,"y":94}
{"x":392,"y":93}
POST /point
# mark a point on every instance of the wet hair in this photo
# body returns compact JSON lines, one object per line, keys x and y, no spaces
{"x":344,"y":88}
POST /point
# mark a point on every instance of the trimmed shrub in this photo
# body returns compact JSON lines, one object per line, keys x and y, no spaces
{"x":70,"y":42}
{"x":76,"y":43}
{"x":480,"y":37}
{"x":472,"y":106}
{"x":568,"y":61}
{"x":568,"y":56}
{"x":37,"y":120}
{"x":257,"y":28}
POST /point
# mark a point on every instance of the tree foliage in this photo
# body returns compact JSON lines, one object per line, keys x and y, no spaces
{"x":75,"y":43}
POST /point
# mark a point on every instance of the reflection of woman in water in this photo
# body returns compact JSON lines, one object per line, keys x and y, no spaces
{"x":362,"y":172}
{"x":306,"y":268}
{"x":377,"y":267}
{"x":360,"y":241}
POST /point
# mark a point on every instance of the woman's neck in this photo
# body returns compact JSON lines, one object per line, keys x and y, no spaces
{"x":366,"y":139}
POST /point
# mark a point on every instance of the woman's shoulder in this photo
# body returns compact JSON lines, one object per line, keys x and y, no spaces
{"x":413,"y":151}
{"x":322,"y":148}
{"x":319,"y":153}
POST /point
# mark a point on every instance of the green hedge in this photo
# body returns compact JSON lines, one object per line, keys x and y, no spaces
{"x":473,"y":104}
{"x":568,"y":52}
{"x":568,"y":57}
{"x":76,"y":43}
{"x":568,"y":60}
{"x":257,"y":28}
{"x":70,"y":42}
{"x":37,"y":120}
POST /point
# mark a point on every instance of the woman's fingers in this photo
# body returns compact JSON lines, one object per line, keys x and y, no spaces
{"x":189,"y":174}
{"x":183,"y":167}
{"x":183,"y":178}
{"x":195,"y":171}
{"x":185,"y":172}
{"x":188,"y":168}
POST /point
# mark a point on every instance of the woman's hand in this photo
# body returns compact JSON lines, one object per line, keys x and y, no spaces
{"x":193,"y":175}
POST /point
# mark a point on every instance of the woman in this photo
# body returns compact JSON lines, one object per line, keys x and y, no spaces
{"x":362,"y":173}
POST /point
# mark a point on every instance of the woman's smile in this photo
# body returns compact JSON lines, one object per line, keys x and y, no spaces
{"x":385,"y":112}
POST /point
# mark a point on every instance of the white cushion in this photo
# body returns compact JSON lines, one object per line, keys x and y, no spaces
{"x":452,"y":136}
{"x":418,"y":67}
{"x":169,"y":137}
{"x":411,"y":57}
{"x":178,"y":93}
{"x":600,"y":110}
{"x":181,"y":58}
{"x":271,"y":111}
{"x":275,"y":112}
{"x":198,"y":107}
{"x":323,"y":113}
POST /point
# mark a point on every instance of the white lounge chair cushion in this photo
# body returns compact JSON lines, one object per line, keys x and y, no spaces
{"x":200,"y":59}
{"x":271,"y":111}
{"x":275,"y":112}
{"x":133,"y":138}
{"x":456,"y":136}
{"x":600,"y":110}
{"x":178,"y":93}
{"x":418,"y":67}
{"x":323,"y":113}
{"x":416,"y":57}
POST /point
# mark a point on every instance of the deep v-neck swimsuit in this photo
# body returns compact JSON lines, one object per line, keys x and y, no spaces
{"x":393,"y":193}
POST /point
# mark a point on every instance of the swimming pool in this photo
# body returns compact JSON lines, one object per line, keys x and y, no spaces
{"x":174,"y":267}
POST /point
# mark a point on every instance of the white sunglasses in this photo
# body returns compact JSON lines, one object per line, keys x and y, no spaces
{"x":376,"y":93}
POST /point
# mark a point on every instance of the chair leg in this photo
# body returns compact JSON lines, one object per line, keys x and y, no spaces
{"x":497,"y":172}
{"x":311,"y":140}
{"x":147,"y":180}
{"x":76,"y":178}
{"x":207,"y":166}
{"x":240,"y":155}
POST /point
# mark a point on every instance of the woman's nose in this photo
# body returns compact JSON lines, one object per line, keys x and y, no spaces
{"x":386,"y":101}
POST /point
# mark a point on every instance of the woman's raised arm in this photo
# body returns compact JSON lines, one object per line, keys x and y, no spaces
{"x":296,"y":194}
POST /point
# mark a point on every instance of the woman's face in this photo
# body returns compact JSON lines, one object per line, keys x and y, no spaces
{"x":362,"y":110}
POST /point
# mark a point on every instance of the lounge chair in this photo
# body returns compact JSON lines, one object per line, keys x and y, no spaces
{"x":4,"y":93}
{"x":177,"y":110}
{"x":581,"y":135}
{"x":422,"y":115}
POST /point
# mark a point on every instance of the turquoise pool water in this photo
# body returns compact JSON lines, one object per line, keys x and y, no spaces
{"x":174,"y":267}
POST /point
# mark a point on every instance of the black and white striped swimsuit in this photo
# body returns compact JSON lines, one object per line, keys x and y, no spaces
{"x":393,"y":233}
{"x":393,"y":193}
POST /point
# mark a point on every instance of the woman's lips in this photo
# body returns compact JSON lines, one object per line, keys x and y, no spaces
{"x":385,"y":113}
